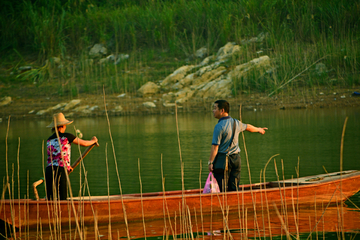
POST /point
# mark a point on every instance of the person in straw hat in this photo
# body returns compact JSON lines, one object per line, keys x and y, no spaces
{"x":59,"y":157}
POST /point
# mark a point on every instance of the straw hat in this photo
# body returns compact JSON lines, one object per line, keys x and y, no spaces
{"x":60,"y":120}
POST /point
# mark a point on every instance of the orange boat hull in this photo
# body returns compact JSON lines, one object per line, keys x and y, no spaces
{"x":132,"y":207}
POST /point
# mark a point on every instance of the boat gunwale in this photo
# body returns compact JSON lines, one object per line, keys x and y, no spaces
{"x":270,"y":186}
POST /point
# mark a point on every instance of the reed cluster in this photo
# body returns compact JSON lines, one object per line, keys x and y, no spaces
{"x":288,"y":221}
{"x":154,"y":32}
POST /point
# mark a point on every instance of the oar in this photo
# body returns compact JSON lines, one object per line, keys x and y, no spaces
{"x":73,"y":166}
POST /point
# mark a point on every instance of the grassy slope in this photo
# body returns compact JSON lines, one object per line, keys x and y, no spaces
{"x":160,"y":36}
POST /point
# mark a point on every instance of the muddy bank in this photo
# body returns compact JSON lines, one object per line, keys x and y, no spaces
{"x":133,"y":105}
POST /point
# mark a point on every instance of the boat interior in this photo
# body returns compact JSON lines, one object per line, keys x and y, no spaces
{"x":321,"y":178}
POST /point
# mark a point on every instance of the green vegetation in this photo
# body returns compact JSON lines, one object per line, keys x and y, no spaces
{"x":160,"y":35}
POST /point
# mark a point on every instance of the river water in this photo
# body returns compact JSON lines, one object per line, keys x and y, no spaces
{"x":157,"y":144}
{"x":152,"y":148}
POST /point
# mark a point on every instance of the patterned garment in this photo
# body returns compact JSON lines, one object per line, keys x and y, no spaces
{"x":54,"y":152}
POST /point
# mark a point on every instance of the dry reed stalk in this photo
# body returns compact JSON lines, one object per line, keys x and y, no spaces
{"x":189,"y":229}
{"x":243,"y":208}
{"x":211,"y":212}
{"x":163,"y":188}
{"x":41,"y":233}
{"x":43,"y":171}
{"x":117,"y":171}
{"x":91,"y":205}
{"x":262,"y":204}
{"x":165,"y":203}
{"x":310,"y":224}
{"x":196,"y":223}
{"x":6,"y":151}
{"x":201,"y":212}
{"x":285,"y":203}
{"x":96,"y":227}
{"x":341,"y":168}
{"x":12,"y":201}
{"x":266,"y":199}
{"x":69,"y":214}
{"x":165,"y":208}
{"x":226,"y":225}
{"x":72,"y":206}
{"x":283,"y":224}
{"x":6,"y":182}
{"x":174,"y":224}
{"x":27,"y":204}
{"x":248,"y":166}
{"x":141,"y":199}
{"x":183,"y":207}
{"x":246,"y":223}
{"x":297,"y":219}
{"x":108,"y":189}
{"x":296,"y":76}
{"x":181,"y":221}
{"x":18,"y":178}
{"x":238,"y":204}
{"x":323,"y":220}
{"x":316,"y":228}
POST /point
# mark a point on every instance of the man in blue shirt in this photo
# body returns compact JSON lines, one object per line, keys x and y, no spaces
{"x":221,"y":143}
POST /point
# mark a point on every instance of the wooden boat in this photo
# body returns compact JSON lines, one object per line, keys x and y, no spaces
{"x":305,"y":191}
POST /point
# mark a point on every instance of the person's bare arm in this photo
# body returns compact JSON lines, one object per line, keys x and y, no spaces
{"x":251,"y":128}
{"x":214,"y":151}
{"x":85,"y":143}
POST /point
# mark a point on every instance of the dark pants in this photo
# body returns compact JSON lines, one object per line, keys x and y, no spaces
{"x":55,"y":178}
{"x":232,"y":176}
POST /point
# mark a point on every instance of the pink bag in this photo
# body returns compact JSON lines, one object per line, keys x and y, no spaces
{"x":211,"y":185}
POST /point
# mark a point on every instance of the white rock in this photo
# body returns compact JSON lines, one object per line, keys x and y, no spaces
{"x":227,"y":51}
{"x":177,"y":75}
{"x":94,"y":108}
{"x":148,"y":88}
{"x":169,"y":104}
{"x":201,"y":53}
{"x":169,"y":97}
{"x":58,"y":106}
{"x":121,"y":57}
{"x":81,"y":108}
{"x":149,"y":104}
{"x":118,"y":109}
{"x":188,"y":80}
{"x":72,"y":104}
{"x":42,"y":112}
{"x":5,"y":101}
{"x":98,"y":50}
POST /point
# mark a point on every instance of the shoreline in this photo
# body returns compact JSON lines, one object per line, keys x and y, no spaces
{"x":133,"y":105}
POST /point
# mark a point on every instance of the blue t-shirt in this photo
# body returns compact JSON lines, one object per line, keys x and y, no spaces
{"x":223,"y":132}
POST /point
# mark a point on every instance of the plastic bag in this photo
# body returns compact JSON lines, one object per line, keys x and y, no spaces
{"x":211,"y":185}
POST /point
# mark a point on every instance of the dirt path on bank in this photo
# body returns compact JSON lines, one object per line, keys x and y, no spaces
{"x":133,"y":105}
